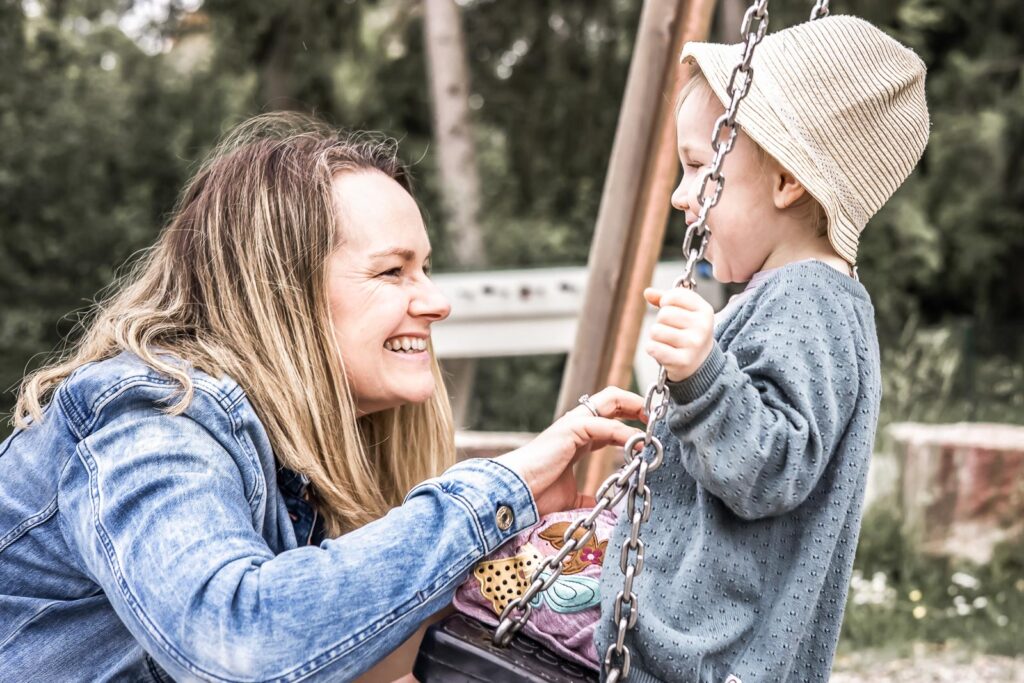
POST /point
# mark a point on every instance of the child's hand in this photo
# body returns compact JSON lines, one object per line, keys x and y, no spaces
{"x":682,"y":335}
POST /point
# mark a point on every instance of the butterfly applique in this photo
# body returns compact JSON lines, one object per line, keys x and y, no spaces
{"x":569,"y":594}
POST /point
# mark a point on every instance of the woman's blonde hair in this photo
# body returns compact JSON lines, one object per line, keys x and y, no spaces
{"x":236,"y":285}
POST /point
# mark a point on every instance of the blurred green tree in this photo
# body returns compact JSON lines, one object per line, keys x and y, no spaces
{"x":91,"y":155}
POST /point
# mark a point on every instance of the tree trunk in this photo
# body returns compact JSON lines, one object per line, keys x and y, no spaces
{"x":273,"y":67}
{"x":449,"y":88}
{"x":460,"y":185}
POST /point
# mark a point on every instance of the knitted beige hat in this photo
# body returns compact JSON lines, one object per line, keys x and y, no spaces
{"x":839,"y":104}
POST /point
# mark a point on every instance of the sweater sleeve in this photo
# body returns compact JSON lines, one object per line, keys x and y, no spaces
{"x":759,"y":420}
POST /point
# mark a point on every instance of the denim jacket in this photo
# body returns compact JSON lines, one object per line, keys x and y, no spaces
{"x":143,"y":546}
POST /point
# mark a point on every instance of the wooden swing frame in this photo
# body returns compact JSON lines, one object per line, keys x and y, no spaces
{"x":633,"y":213}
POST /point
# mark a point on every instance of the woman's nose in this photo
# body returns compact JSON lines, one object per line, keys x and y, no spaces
{"x":429,"y":302}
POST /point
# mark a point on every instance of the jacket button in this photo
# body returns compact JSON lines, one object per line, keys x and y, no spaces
{"x":504,"y":517}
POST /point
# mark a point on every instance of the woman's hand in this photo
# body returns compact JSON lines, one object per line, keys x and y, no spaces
{"x":545,"y":464}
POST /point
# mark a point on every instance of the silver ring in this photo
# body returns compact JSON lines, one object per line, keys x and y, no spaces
{"x":585,"y":401}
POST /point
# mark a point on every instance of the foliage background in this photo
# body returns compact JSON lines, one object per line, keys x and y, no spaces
{"x":99,"y":130}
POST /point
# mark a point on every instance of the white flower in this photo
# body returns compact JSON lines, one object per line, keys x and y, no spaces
{"x":965,"y":580}
{"x":873,"y":592}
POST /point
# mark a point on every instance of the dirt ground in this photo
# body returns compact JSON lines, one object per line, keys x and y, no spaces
{"x":927,"y":665}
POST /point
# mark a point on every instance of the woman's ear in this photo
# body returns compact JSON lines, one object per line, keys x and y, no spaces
{"x":787,"y":189}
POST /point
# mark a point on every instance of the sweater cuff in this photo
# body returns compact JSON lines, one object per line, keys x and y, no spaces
{"x":497,"y":498}
{"x":638,"y":676}
{"x":697,"y":384}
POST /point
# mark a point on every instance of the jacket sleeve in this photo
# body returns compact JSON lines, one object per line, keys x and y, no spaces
{"x":759,"y":422}
{"x":155,"y":508}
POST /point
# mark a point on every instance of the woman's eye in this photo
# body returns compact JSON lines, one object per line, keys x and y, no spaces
{"x":392,"y":272}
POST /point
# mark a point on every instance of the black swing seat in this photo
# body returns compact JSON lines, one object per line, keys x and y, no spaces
{"x":458,"y":649}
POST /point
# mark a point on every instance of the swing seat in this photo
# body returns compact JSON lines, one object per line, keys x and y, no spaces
{"x":458,"y":649}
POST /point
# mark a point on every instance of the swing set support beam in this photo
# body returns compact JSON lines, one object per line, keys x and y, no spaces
{"x":633,"y":212}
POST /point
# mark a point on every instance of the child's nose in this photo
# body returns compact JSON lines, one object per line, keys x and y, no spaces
{"x":679,"y":198}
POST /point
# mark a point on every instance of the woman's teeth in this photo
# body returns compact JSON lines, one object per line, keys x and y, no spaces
{"x":406,"y":344}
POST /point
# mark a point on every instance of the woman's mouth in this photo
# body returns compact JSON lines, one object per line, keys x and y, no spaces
{"x":410,"y":345}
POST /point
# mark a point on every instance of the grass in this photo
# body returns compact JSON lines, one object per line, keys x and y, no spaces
{"x":900,"y":597}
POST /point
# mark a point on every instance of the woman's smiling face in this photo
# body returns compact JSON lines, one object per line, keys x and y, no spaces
{"x":381,"y":298}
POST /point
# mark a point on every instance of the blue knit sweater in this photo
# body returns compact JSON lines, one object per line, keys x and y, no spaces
{"x":757,"y":507}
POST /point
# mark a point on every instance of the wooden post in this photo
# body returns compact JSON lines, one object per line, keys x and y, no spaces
{"x":634,"y":209}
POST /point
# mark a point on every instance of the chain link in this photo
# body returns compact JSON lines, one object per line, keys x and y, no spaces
{"x":723,"y":138}
{"x":630,"y":481}
{"x":612,"y":491}
{"x":820,"y":10}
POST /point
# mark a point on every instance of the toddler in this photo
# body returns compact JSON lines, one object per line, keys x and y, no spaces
{"x":774,"y":401}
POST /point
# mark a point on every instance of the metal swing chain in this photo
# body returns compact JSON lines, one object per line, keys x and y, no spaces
{"x":820,"y":9}
{"x":631,"y":480}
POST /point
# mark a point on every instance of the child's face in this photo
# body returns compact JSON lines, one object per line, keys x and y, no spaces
{"x":741,"y":235}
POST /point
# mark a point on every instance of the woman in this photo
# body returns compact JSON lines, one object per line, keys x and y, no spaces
{"x":262,"y":382}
